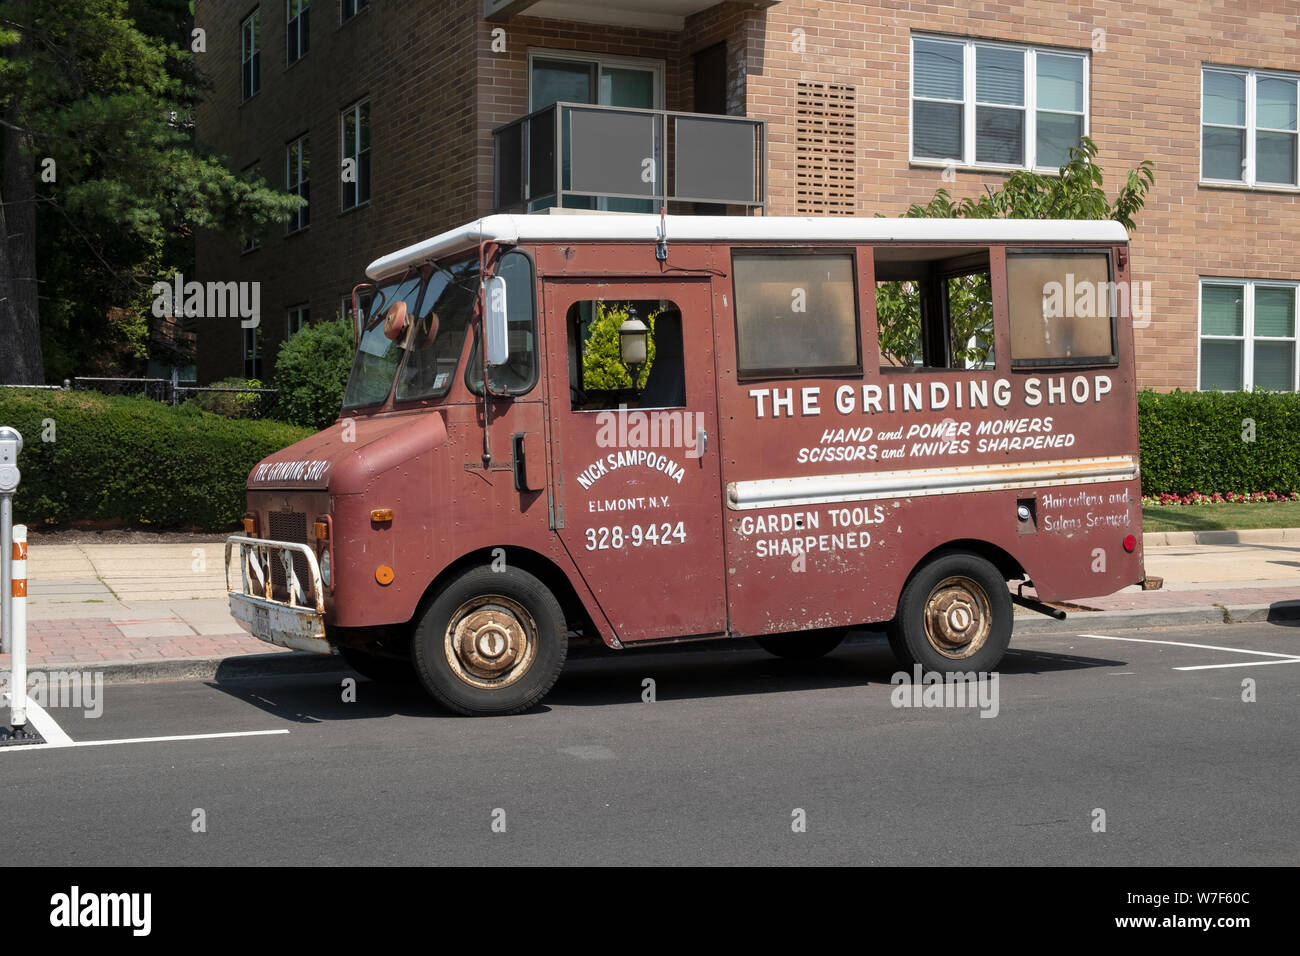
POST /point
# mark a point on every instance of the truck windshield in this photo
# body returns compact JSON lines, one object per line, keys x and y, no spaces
{"x":438,"y":336}
{"x":377,"y":355}
{"x":419,"y":347}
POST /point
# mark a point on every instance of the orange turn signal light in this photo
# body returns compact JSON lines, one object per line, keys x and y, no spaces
{"x":384,"y":574}
{"x":250,"y":526}
{"x":381,"y":515}
{"x":322,"y":530}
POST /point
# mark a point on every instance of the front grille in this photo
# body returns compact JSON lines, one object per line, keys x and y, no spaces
{"x":288,"y":526}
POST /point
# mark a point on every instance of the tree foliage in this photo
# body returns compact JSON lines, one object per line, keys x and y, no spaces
{"x":602,"y":362}
{"x":1076,"y":192}
{"x":98,"y":98}
{"x":311,"y":372}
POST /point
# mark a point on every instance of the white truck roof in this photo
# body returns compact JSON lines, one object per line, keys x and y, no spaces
{"x":579,"y":227}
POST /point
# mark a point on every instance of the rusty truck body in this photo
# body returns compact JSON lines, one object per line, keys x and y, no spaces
{"x":651,"y":429}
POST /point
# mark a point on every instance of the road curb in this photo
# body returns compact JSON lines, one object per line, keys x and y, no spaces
{"x":1160,"y":617}
{"x":1174,"y":539}
{"x":1027,"y":623}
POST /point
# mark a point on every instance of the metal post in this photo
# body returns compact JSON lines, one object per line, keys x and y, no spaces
{"x":13,"y":625}
{"x":18,"y":612}
{"x":11,"y":443}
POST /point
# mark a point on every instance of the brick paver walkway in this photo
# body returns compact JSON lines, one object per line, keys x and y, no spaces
{"x":100,"y":641}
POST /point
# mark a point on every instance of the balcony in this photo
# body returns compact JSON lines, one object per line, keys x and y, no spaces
{"x":577,"y":156}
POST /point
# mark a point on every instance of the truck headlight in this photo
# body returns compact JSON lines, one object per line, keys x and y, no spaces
{"x":325,"y":569}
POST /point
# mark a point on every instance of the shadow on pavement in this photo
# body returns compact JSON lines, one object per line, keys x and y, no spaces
{"x":603,"y":678}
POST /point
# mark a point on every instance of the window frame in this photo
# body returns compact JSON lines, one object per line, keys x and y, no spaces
{"x":299,"y":26}
{"x":251,"y":242}
{"x":354,"y":107}
{"x":250,"y":61}
{"x":253,"y":334}
{"x":301,"y":218}
{"x":1082,"y":361}
{"x":358,"y":7}
{"x":970,"y":102}
{"x":744,"y":375}
{"x":537,"y":351}
{"x":303,"y":313}
{"x":1248,"y":337}
{"x":657,"y":67}
{"x":1249,"y":175}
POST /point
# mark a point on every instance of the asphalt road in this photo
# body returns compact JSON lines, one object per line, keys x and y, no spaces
{"x":712,"y":772}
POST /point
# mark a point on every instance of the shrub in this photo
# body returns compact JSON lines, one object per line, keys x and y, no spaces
{"x":90,"y":457}
{"x":311,"y":372}
{"x":230,"y":404}
{"x":1219,"y":442}
{"x":602,"y":362}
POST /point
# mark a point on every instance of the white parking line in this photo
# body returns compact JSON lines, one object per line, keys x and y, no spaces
{"x":1281,"y":658}
{"x":46,"y":725}
{"x":56,"y":738}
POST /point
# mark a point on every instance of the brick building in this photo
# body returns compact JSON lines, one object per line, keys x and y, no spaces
{"x":865,"y":109}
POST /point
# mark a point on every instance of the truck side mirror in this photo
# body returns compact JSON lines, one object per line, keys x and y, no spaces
{"x":495,"y":330}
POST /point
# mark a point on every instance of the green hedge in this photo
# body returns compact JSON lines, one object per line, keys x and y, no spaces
{"x":133,"y":461}
{"x":1198,"y":441}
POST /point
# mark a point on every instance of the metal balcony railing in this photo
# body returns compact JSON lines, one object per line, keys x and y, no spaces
{"x":579,"y":156}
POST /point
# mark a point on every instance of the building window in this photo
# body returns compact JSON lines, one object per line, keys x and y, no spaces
{"x":253,"y":352}
{"x":250,"y":55}
{"x":350,"y":8}
{"x":992,"y":104}
{"x":297,"y":320}
{"x":296,"y":38}
{"x":356,"y":154}
{"x":250,"y":241}
{"x":1250,"y":123}
{"x":1248,"y":335}
{"x":297,"y":180}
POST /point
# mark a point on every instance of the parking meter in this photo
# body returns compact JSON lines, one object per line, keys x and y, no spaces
{"x":11,"y":443}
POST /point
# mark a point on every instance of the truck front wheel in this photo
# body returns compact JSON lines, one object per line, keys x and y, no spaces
{"x":953,"y":615}
{"x":492,"y":643}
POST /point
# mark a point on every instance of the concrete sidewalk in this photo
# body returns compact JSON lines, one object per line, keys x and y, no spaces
{"x":150,"y":610}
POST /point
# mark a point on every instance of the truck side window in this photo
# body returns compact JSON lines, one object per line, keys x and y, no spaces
{"x":796,"y":314}
{"x":598,"y":379}
{"x":934,"y":307}
{"x":1062,"y":308}
{"x":519,"y":374}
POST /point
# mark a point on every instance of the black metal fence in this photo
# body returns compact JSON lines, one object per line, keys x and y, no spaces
{"x":224,"y":400}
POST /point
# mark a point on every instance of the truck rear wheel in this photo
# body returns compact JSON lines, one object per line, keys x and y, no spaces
{"x":803,"y":645}
{"x":953,"y":615}
{"x":492,"y":643}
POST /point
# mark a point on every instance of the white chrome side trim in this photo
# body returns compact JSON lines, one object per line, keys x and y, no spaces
{"x":920,"y":482}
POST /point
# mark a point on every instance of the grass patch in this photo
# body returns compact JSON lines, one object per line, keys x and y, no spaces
{"x":1225,"y":516}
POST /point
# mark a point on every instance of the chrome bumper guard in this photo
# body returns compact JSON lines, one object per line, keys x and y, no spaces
{"x":299,"y":622}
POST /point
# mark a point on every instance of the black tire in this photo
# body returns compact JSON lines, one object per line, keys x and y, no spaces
{"x":803,"y":645}
{"x":957,"y":595}
{"x":491,"y":643}
{"x":384,"y":670}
